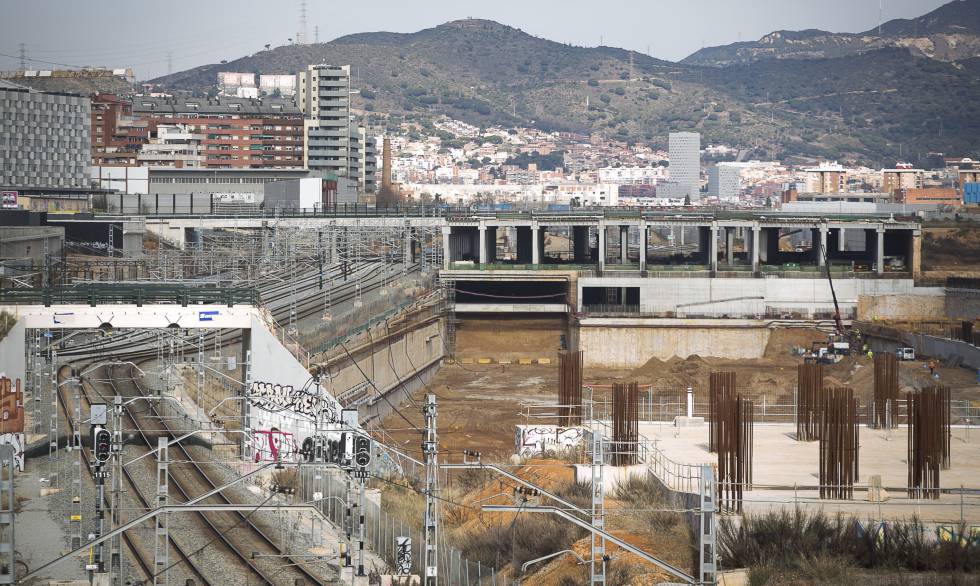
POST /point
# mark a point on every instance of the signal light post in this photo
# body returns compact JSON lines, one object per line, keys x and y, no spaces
{"x":102,"y":447}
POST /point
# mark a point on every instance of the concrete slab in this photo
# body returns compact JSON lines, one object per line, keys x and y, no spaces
{"x":780,"y":463}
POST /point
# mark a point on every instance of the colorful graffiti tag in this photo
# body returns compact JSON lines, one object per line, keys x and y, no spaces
{"x":271,"y":445}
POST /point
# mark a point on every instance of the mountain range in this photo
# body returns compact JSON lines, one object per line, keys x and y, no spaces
{"x":948,"y":33}
{"x":807,"y":94}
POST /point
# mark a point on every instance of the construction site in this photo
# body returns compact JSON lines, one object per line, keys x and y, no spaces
{"x":434,"y":396}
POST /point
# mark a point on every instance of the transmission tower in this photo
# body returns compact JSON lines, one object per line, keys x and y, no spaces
{"x":170,"y":62}
{"x":23,"y":57}
{"x":316,"y":33}
{"x":430,"y":446}
{"x":301,"y":35}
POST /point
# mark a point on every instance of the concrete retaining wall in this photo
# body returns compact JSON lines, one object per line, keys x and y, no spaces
{"x":387,"y":365}
{"x":885,"y":339}
{"x":630,"y":346}
{"x":901,"y":307}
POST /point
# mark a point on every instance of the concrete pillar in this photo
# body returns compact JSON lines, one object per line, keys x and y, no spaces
{"x":730,"y":245}
{"x":409,"y":247}
{"x":823,"y":252}
{"x":446,"y":251}
{"x":714,"y":247}
{"x":914,"y":261}
{"x":682,"y":235}
{"x":880,"y":251}
{"x":624,"y":241}
{"x":756,"y":238}
{"x":644,"y":238}
{"x":491,"y":244}
{"x":602,"y":246}
{"x":536,"y":245}
{"x":483,"y":245}
{"x":841,"y":239}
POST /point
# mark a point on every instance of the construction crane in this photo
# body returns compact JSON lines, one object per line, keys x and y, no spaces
{"x":837,"y":345}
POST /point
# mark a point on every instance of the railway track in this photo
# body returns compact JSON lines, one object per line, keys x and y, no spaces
{"x":278,"y":303}
{"x":190,"y":479}
{"x":127,"y":539}
{"x":238,"y":536}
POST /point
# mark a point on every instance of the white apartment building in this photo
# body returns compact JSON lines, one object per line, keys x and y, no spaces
{"x":333,"y":145}
{"x":725,"y":181}
{"x":173,"y":146}
{"x":685,"y":165}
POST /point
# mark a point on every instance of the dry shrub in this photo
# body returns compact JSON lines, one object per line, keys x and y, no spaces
{"x":647,"y":494}
{"x":803,"y":542}
{"x":285,"y":481}
{"x":530,"y":536}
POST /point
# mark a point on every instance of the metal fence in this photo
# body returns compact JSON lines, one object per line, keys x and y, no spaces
{"x":380,"y":529}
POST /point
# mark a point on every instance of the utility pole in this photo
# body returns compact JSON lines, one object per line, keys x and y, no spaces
{"x":708,"y":555}
{"x":160,"y":543}
{"x":75,"y":462}
{"x":115,"y":495}
{"x":8,"y":513}
{"x":430,"y":447}
{"x":598,"y":561}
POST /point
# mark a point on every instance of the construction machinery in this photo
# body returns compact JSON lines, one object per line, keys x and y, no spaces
{"x":838,"y":344}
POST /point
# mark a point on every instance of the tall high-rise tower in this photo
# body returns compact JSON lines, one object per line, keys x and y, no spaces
{"x":333,"y":145}
{"x":685,"y":164}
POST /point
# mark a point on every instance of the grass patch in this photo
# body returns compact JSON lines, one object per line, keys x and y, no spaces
{"x":646,"y":494}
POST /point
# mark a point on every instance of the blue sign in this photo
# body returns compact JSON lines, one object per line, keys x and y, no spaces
{"x":207,"y":315}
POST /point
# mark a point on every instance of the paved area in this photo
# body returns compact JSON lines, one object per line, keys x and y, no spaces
{"x":781,"y":463}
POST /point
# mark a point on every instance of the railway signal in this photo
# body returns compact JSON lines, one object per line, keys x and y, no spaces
{"x":103,"y":444}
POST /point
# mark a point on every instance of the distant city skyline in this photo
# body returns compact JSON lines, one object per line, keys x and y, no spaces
{"x":178,"y":35}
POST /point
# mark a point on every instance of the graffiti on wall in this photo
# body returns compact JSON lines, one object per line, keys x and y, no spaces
{"x":12,"y":418}
{"x":531,"y":440}
{"x":271,"y":445}
{"x":275,"y":398}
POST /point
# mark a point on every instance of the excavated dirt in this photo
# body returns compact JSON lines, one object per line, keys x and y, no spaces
{"x":479,"y":405}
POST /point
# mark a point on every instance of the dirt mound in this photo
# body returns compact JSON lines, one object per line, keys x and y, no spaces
{"x":783,"y":340}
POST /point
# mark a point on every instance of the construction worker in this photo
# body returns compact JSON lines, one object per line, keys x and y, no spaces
{"x":932,"y":367}
{"x":871,"y":355}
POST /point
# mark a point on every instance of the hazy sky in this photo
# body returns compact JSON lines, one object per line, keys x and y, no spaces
{"x":141,"y":33}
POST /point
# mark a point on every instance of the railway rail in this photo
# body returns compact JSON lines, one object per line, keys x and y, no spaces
{"x":188,"y":479}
